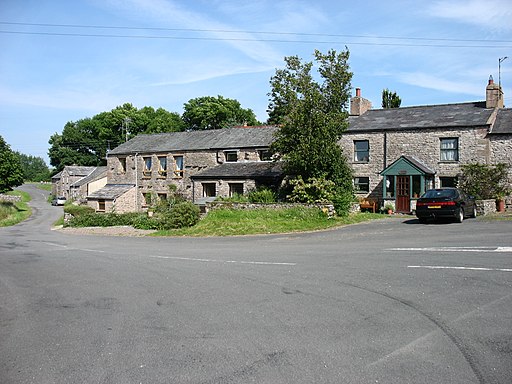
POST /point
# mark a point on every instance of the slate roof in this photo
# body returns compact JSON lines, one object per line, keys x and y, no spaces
{"x":111,"y":191}
{"x":503,"y":123}
{"x":246,"y":170}
{"x":98,"y":173}
{"x":78,"y":170}
{"x":198,"y":140}
{"x":430,"y":116}
{"x":57,"y":176}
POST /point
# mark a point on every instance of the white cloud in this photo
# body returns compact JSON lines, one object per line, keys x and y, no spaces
{"x":429,"y":81}
{"x":492,"y":14}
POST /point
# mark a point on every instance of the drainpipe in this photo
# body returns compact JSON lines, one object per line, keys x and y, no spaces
{"x":385,"y":150}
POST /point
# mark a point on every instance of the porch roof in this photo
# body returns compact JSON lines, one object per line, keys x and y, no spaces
{"x":407,"y":163}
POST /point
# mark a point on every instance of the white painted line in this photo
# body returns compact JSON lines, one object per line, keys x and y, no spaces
{"x":455,"y":249}
{"x":461,"y":268}
{"x":221,"y":261}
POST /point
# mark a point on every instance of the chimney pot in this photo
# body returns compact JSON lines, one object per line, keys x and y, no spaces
{"x":491,"y":80}
{"x":358,"y":92}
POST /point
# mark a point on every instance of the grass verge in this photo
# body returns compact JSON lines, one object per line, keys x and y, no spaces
{"x":227,"y":222}
{"x":14,"y":213}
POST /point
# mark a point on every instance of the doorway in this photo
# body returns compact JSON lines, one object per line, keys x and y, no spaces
{"x":403,"y":194}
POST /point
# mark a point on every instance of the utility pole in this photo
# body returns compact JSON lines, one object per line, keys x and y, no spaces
{"x":500,"y":60}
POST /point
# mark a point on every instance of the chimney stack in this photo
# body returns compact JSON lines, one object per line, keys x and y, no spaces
{"x":493,"y":95}
{"x":358,"y":104}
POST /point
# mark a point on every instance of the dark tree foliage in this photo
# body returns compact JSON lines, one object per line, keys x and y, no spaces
{"x":87,"y":141}
{"x":390,"y":99}
{"x":11,"y":173}
{"x":34,"y":168}
{"x":210,"y":112}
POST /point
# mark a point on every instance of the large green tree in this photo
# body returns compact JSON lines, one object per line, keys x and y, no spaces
{"x":390,"y":99}
{"x":34,"y":168}
{"x":210,"y":112}
{"x":313,"y":117}
{"x":87,"y":141}
{"x":11,"y":174}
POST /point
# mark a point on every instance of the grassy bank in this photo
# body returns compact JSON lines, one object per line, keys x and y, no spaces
{"x":14,"y":213}
{"x":228,"y":222}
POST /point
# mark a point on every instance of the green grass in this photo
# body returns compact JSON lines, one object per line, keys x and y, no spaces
{"x":227,"y":222}
{"x":44,"y":187}
{"x":14,"y":213}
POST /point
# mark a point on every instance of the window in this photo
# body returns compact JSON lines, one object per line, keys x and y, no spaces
{"x":162,"y":162}
{"x":231,"y":156}
{"x":101,"y":205}
{"x":361,"y":151}
{"x":122,"y":161}
{"x":390,"y":186}
{"x":265,"y":155}
{"x":209,"y":190}
{"x":450,"y":149}
{"x":362,"y":184}
{"x":162,"y":196}
{"x":147,"y":166}
{"x":416,"y":186}
{"x":178,"y":166}
{"x":448,"y":182}
{"x":236,"y":189}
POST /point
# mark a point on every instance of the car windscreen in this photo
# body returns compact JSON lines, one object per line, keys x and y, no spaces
{"x":439,"y":193}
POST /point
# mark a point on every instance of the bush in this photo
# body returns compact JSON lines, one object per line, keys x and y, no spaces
{"x":184,"y":214}
{"x":314,"y":190}
{"x":262,"y":195}
{"x":77,"y":210}
{"x":484,"y":181}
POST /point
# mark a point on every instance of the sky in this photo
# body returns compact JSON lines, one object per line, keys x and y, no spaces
{"x":64,"y":60}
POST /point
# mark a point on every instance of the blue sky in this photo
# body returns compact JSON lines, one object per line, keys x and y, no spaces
{"x":58,"y":65}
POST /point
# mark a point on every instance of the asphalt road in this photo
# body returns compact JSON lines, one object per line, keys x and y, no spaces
{"x":391,"y":301}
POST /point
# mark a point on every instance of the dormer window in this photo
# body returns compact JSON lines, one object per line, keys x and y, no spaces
{"x":265,"y":155}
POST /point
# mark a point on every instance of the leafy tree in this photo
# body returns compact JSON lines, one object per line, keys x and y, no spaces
{"x":86,"y":141}
{"x":34,"y":168}
{"x":390,"y":99}
{"x":11,"y":173}
{"x":210,"y":112}
{"x":315,"y":116}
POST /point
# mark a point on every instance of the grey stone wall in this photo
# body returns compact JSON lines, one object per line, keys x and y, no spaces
{"x":10,"y":198}
{"x":327,"y":208}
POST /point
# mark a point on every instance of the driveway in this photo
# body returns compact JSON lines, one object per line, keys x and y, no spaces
{"x":390,"y":301}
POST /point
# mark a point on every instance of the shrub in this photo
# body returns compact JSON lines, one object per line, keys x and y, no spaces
{"x":184,"y":214}
{"x":77,"y":210}
{"x":484,"y":181}
{"x":262,"y":195}
{"x":314,"y":190}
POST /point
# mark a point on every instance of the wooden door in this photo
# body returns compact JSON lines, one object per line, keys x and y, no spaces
{"x":403,"y":195}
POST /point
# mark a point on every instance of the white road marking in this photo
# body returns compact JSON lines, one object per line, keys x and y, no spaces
{"x":455,"y":249}
{"x":221,"y":261}
{"x":461,"y":268}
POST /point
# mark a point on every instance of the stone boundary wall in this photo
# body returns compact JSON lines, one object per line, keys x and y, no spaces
{"x":210,"y":206}
{"x":9,"y":198}
{"x":485,"y":207}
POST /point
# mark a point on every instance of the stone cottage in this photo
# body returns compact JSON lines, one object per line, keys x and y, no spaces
{"x":200,"y":164}
{"x":397,"y":154}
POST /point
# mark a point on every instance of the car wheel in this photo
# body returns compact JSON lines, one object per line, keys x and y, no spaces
{"x":460,"y":216}
{"x":422,"y":220}
{"x":473,"y":212}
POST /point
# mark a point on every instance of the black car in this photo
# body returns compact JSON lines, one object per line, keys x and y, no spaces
{"x":445,"y":203}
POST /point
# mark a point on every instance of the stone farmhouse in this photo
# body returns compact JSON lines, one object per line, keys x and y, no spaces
{"x":397,"y":154}
{"x":200,"y":164}
{"x":77,"y":182}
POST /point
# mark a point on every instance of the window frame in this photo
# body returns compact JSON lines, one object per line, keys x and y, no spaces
{"x":148,"y":165}
{"x":358,"y":184}
{"x":101,"y":205}
{"x":229,"y":153}
{"x":357,"y":152}
{"x":264,"y":155}
{"x":445,"y":153}
{"x":232,"y":189}
{"x":162,"y":171}
{"x":178,"y":172}
{"x":207,"y":188}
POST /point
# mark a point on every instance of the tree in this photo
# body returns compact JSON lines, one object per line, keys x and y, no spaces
{"x":313,"y":117}
{"x":11,"y":174}
{"x":34,"y":168}
{"x":87,"y":141}
{"x":390,"y":99}
{"x":485,"y":181}
{"x":210,"y":112}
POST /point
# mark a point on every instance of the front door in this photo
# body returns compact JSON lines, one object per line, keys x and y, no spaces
{"x":403,"y":196}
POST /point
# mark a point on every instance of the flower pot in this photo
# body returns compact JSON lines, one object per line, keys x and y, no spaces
{"x":500,"y":205}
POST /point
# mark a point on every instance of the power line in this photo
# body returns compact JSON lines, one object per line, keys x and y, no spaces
{"x":133,"y":36}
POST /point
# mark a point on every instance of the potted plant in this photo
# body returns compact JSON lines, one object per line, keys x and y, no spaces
{"x":388,"y":207}
{"x":500,"y":202}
